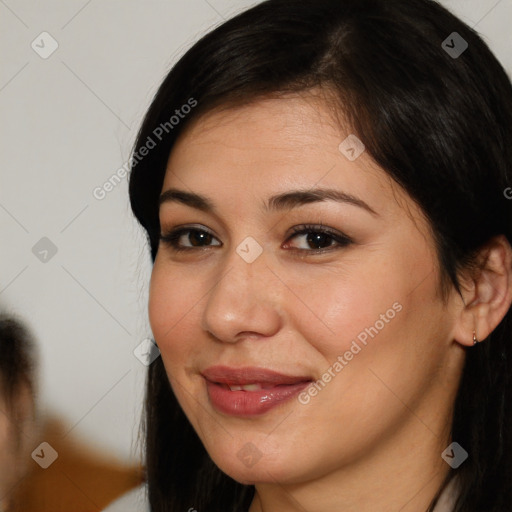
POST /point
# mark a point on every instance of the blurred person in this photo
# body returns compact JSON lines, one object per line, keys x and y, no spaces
{"x":81,"y":478}
{"x":17,"y":405}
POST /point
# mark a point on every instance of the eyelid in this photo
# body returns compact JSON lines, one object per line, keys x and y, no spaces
{"x":186,"y":227}
{"x":319,"y":227}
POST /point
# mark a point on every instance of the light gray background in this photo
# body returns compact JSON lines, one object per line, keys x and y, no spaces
{"x":67,"y":125}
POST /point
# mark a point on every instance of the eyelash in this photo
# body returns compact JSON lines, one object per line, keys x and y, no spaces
{"x":171,"y":238}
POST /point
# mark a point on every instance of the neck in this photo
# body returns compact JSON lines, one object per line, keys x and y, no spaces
{"x":402,"y":473}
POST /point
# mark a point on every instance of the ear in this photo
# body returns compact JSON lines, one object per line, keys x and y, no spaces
{"x":486,"y":293}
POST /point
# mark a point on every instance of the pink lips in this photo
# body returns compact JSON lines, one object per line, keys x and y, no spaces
{"x":250,"y":391}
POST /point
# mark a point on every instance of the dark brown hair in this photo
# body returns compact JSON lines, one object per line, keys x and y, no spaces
{"x":17,"y":366}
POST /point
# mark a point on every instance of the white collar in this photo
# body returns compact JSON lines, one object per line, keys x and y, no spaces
{"x":448,"y":498}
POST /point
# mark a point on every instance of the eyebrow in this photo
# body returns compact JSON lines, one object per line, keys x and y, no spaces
{"x":279,"y":202}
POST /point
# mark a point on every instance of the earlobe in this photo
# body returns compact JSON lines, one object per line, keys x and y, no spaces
{"x":487,"y":294}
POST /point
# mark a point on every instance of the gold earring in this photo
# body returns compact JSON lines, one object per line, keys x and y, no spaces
{"x":475,"y":341}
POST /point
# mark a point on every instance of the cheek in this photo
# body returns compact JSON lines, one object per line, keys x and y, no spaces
{"x":170,"y":298}
{"x":370,"y":323}
{"x":378,"y":332}
{"x":166,"y":310}
{"x":342,"y":306}
{"x":174,"y":307}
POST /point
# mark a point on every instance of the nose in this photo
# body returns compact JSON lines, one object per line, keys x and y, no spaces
{"x":244,"y":301}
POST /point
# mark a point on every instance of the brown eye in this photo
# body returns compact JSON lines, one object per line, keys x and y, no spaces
{"x":198,"y":238}
{"x":188,"y":239}
{"x":317,"y":238}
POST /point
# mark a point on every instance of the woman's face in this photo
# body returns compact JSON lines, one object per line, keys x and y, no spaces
{"x":303,"y":260}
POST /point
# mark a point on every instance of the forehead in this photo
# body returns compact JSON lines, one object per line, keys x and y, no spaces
{"x":272,"y":145}
{"x":283,"y":126}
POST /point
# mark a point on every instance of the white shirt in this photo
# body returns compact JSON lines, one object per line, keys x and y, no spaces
{"x":134,"y":501}
{"x":448,"y":498}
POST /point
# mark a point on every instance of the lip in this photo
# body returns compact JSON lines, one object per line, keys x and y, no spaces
{"x":276,"y":388}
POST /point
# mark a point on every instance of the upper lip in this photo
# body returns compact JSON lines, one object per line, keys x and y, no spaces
{"x":249,"y":375}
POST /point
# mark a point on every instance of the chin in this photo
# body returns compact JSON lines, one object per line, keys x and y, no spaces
{"x":249,"y":467}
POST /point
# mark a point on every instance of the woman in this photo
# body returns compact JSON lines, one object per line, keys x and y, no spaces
{"x":322,"y":186}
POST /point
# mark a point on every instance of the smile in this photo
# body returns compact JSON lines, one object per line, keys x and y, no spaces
{"x":250,"y":391}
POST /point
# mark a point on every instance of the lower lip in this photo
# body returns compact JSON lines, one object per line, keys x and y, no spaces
{"x":251,"y":403}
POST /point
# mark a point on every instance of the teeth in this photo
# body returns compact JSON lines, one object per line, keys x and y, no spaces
{"x":246,"y":387}
{"x":252,"y":387}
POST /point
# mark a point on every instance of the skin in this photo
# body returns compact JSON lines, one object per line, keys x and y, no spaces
{"x":14,"y":459}
{"x":6,"y":456}
{"x":372,"y":438}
